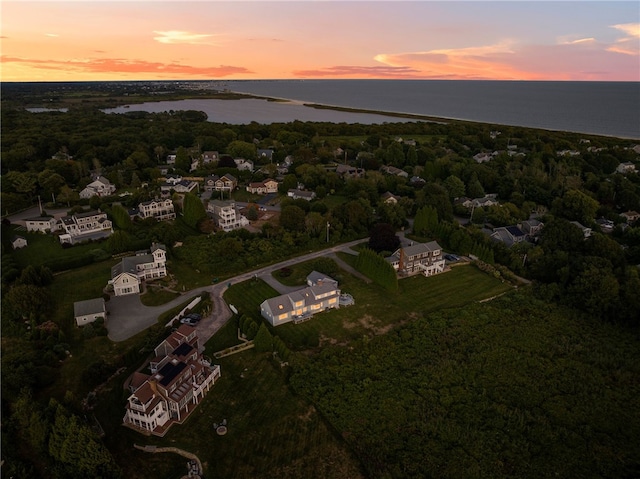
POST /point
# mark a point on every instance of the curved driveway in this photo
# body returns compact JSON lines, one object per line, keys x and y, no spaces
{"x":128,"y":316}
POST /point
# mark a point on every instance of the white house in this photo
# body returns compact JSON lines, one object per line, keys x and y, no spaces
{"x":99,"y":187}
{"x":301,"y":195}
{"x":182,"y":186}
{"x":180,"y":378}
{"x":41,"y":224}
{"x":88,"y":311}
{"x":586,"y":232}
{"x":18,"y":242}
{"x":161,"y":210}
{"x":243,"y":165}
{"x":300,"y":305}
{"x":80,"y":227}
{"x":226,"y":216}
{"x":127,"y":276}
{"x":425,"y":258}
{"x":626,"y":167}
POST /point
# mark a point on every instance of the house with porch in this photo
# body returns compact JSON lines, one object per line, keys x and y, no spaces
{"x":91,"y":225}
{"x":225,"y":182}
{"x":418,"y":258}
{"x":225,"y":215}
{"x":128,"y":275}
{"x":160,"y":209}
{"x":301,"y":305}
{"x":180,"y":378}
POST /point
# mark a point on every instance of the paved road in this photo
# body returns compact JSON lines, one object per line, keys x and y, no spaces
{"x":128,"y":316}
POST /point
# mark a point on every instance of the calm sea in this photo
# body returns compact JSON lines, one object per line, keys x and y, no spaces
{"x":600,"y":108}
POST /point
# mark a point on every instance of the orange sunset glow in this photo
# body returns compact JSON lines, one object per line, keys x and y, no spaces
{"x":138,"y":40}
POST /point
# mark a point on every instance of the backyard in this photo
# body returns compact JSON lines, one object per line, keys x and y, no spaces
{"x":375,"y":311}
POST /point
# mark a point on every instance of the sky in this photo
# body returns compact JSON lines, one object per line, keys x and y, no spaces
{"x":234,"y":40}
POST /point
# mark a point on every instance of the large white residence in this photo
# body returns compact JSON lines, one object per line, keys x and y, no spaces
{"x":180,"y":378}
{"x":127,"y":276}
{"x":159,"y":209}
{"x":80,"y":227}
{"x":226,"y":216}
{"x":99,"y":187}
{"x":425,"y":258}
{"x":322,"y":294}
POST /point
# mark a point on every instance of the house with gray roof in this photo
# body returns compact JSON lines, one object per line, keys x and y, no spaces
{"x":509,"y":235}
{"x":418,"y":258}
{"x":89,"y":310}
{"x":297,"y":194}
{"x":18,"y":242}
{"x":300,"y":305}
{"x":318,"y":279}
{"x":90,"y":225}
{"x":99,"y":187}
{"x":128,"y":275}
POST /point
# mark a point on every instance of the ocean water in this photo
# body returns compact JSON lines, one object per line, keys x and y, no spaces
{"x":600,"y":108}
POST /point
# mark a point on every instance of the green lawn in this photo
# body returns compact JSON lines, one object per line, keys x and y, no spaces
{"x":43,"y":249}
{"x":376,"y":310}
{"x":77,"y":285}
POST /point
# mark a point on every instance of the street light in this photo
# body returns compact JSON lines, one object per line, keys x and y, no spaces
{"x":328,"y":225}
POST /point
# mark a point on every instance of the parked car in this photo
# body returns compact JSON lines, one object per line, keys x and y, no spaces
{"x":195,"y":316}
{"x":451,"y":257}
{"x":189,"y":321}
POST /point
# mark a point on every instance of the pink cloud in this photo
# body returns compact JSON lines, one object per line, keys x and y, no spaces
{"x":570,"y":60}
{"x":360,"y":72}
{"x":119,"y":65}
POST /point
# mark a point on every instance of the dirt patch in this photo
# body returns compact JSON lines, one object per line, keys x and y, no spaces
{"x":307,"y":415}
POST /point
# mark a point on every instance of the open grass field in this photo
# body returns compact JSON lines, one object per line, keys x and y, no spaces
{"x":43,"y":249}
{"x":376,"y":310}
{"x":77,"y":285}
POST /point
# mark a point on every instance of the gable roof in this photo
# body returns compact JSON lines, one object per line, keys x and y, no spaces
{"x":89,"y":306}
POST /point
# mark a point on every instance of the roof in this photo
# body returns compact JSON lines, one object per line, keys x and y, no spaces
{"x":41,"y":218}
{"x":314,"y":277}
{"x":515,"y":231}
{"x":89,"y":306}
{"x":420,"y":248}
{"x":170,"y":371}
{"x":137,"y":379}
{"x":284,"y":303}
